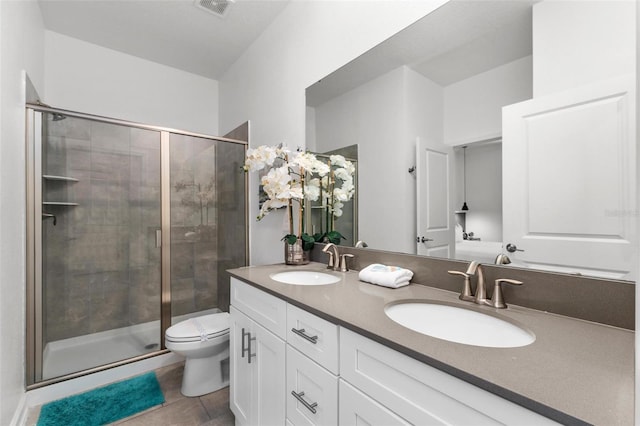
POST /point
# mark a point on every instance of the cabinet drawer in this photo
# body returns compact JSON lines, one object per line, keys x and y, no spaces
{"x":267,"y":310}
{"x":420,"y":393}
{"x":314,"y":337}
{"x":317,"y":390}
{"x":357,"y":408}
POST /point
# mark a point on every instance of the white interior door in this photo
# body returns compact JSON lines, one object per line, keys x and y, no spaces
{"x":435,"y":224}
{"x":569,"y":180}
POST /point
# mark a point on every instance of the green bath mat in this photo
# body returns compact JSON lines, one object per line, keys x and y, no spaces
{"x":104,"y":405}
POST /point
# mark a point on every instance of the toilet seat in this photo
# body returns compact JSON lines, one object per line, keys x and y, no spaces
{"x":198,"y":329}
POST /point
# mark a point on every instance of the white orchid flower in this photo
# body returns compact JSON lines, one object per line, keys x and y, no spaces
{"x":312,"y":189}
{"x":337,"y":208}
{"x":260,"y":157}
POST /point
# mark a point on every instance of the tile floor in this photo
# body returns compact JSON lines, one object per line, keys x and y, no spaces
{"x":208,"y":410}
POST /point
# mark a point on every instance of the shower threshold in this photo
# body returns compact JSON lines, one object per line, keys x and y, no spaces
{"x":67,"y":356}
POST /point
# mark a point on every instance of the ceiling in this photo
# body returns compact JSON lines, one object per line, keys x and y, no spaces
{"x":175,"y":33}
{"x":460,"y":39}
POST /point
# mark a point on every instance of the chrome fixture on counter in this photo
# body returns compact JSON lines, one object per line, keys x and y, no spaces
{"x":343,"y":261}
{"x":466,"y":293}
{"x":497,"y":300}
{"x":333,"y":256}
{"x":361,"y":244}
{"x":502,"y":259}
{"x":480,"y":298}
{"x":481,"y":290}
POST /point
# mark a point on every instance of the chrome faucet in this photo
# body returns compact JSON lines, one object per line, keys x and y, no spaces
{"x":333,"y":256}
{"x":502,"y":259}
{"x":497,"y":299}
{"x":481,"y":290}
{"x":361,"y":244}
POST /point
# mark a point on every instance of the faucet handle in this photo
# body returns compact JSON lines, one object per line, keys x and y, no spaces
{"x":343,"y":261}
{"x":497,"y":299}
{"x":466,"y":290}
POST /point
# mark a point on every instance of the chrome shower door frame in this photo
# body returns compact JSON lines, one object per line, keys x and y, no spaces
{"x":34,"y":254}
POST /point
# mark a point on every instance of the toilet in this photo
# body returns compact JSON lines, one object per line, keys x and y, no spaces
{"x":204,"y":342}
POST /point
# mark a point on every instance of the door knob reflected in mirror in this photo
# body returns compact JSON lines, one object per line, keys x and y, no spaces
{"x":422,"y":239}
{"x":512,"y":248}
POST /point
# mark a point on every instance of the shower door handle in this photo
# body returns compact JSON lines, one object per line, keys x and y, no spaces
{"x":158,"y":238}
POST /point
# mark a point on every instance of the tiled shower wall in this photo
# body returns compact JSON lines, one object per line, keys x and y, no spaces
{"x":101,"y":266}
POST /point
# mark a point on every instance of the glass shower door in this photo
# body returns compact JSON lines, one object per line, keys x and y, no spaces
{"x":99,"y":187}
{"x":208,"y":223}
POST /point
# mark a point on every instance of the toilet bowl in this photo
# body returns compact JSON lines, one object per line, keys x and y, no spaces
{"x":204,"y":342}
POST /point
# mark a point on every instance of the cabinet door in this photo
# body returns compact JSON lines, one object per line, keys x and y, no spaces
{"x":268,"y":368}
{"x":357,"y":408}
{"x":257,"y":385}
{"x":240,"y":387}
{"x":312,"y":392}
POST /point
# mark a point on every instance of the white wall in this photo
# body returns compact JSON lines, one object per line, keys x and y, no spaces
{"x":423,"y":113}
{"x":307,"y":41}
{"x":372,"y":116}
{"x":473,"y":107}
{"x":599,"y":43}
{"x":88,"y":78}
{"x":21,"y":49}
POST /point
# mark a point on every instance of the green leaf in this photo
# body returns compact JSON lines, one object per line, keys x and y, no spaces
{"x":318,"y":237}
{"x":335,"y":237}
{"x":307,"y":242}
{"x":290,"y":238}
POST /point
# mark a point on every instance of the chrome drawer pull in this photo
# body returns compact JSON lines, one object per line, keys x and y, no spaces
{"x":299,"y":397}
{"x":247,"y":349}
{"x":243,"y":348}
{"x":301,"y":333}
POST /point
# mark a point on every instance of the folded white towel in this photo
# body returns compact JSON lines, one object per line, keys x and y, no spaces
{"x":387,"y":276}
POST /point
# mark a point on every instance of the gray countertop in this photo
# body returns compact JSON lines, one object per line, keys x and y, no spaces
{"x":576,"y":371}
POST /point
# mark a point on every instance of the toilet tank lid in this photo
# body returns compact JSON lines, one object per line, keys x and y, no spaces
{"x":201,"y":326}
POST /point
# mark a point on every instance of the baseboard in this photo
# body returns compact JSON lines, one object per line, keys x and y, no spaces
{"x":21,"y":413}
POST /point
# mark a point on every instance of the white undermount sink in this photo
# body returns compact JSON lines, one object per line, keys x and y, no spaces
{"x":460,"y":325}
{"x":305,"y":278}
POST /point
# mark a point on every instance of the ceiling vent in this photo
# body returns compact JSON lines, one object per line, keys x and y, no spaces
{"x":217,"y":7}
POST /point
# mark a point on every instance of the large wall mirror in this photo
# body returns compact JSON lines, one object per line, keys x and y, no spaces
{"x":522,"y":111}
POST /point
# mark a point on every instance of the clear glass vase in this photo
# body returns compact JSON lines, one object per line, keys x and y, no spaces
{"x":294,"y":254}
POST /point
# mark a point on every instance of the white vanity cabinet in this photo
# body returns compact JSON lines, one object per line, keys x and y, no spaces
{"x":257,"y":356}
{"x":307,"y":371}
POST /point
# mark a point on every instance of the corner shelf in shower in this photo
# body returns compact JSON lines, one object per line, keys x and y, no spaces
{"x":58,"y":203}
{"x":59,"y":178}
